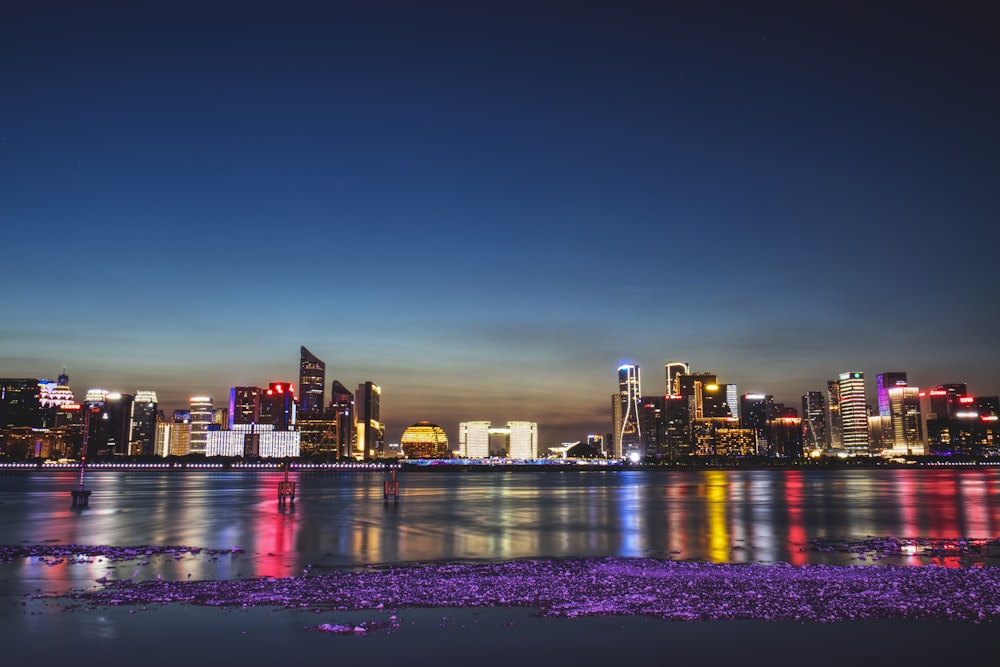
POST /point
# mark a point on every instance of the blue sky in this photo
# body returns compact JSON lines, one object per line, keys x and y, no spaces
{"x":487,"y":207}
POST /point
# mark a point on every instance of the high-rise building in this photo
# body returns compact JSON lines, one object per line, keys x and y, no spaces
{"x":244,"y":405}
{"x":883,"y":383}
{"x":110,"y":424}
{"x":629,"y":440}
{"x":19,"y":403}
{"x":370,"y":430}
{"x":522,"y":440}
{"x":53,"y":395}
{"x":814,"y":433}
{"x":277,"y":405}
{"x":201,"y":423}
{"x":651,"y":423}
{"x":907,"y":426}
{"x":142,"y":436}
{"x":853,"y":413}
{"x":312,"y":381}
{"x":474,"y":440}
{"x":834,"y":424}
{"x":732,"y":400}
{"x":756,"y":410}
{"x":673,"y":369}
{"x":342,"y":406}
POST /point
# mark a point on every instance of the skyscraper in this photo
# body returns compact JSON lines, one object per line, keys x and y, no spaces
{"x":907,"y":431}
{"x":342,"y":405}
{"x":19,"y":402}
{"x":814,"y":421}
{"x":277,"y":405}
{"x":244,"y":405}
{"x":474,"y":439}
{"x":673,"y":369}
{"x":312,"y":380}
{"x":522,"y":440}
{"x":884,"y":382}
{"x":370,"y":430}
{"x":853,"y":413}
{"x":629,"y":436}
{"x":201,"y":421}
{"x":834,"y":424}
{"x":143,"y":426}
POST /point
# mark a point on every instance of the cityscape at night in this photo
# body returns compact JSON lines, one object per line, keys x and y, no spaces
{"x":499,"y":332}
{"x":694,"y":414}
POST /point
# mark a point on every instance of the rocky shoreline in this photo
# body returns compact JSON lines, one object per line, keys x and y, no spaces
{"x":670,"y":590}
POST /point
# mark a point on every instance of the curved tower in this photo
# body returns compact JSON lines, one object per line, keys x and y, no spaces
{"x":628,"y":432}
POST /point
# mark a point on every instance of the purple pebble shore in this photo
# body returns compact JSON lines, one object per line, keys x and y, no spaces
{"x":673,"y":590}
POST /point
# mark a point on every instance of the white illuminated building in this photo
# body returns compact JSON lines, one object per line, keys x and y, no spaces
{"x":474,"y":440}
{"x":270,"y":443}
{"x":52,"y":394}
{"x":201,"y":421}
{"x":521,"y":439}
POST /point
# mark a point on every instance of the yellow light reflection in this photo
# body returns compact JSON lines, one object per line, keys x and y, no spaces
{"x":718,"y":536}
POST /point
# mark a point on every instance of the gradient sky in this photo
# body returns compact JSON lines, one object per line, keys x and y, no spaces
{"x":487,"y":207}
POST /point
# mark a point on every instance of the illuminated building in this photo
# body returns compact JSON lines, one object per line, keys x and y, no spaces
{"x":814,"y":434}
{"x":51,"y":395}
{"x":111,"y":425}
{"x":26,"y":443}
{"x":907,"y":427}
{"x":756,"y":409}
{"x":253,"y":440}
{"x":706,"y":397}
{"x":722,"y":436}
{"x":853,"y":413}
{"x":95,"y":397}
{"x":732,"y":400}
{"x":201,"y":422}
{"x":629,"y":433}
{"x":312,"y":381}
{"x":370,"y":430}
{"x":522,"y":440}
{"x":277,"y":405}
{"x":474,"y":440}
{"x":244,"y":405}
{"x":834,"y":425}
{"x":19,"y":403}
{"x":424,"y":440}
{"x":342,"y":408}
{"x":883,"y":383}
{"x":142,"y":427}
{"x":651,"y":424}
{"x":318,"y":433}
{"x":677,"y":427}
{"x":673,"y":369}
{"x":784,"y":436}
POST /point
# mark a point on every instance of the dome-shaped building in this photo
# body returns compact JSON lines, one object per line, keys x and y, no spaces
{"x":424,"y":440}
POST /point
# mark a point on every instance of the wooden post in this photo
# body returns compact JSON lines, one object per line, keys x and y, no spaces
{"x":392,"y":489}
{"x":286,"y":489}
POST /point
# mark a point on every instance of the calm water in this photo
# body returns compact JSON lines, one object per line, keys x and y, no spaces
{"x":340,"y":520}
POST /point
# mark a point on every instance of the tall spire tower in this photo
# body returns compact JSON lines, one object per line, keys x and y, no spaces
{"x":628,"y":440}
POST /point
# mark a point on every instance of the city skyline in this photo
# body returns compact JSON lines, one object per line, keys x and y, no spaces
{"x":487,"y":208}
{"x":604,"y":420}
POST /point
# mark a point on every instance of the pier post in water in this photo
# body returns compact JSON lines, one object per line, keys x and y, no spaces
{"x":392,"y":488}
{"x":286,"y":489}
